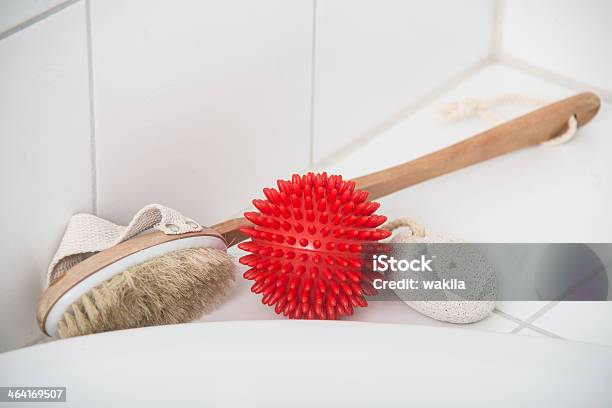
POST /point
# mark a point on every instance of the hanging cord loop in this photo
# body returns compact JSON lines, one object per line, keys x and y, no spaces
{"x":416,"y":229}
{"x":470,"y":107}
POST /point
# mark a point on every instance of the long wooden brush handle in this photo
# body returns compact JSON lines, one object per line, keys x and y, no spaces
{"x":528,"y":130}
{"x":531,"y":129}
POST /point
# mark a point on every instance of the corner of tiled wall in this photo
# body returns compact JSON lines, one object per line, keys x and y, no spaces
{"x":45,"y":152}
{"x":199,"y":107}
{"x":562,"y":40}
{"x":373,"y":65}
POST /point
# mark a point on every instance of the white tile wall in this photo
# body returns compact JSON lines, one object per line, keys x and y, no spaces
{"x":15,"y":12}
{"x":200,"y":106}
{"x":45,"y":171}
{"x":375,"y":59}
{"x":566,"y":37}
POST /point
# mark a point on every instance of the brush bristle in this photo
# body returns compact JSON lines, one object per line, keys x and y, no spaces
{"x":306,"y":246}
{"x":176,"y":287}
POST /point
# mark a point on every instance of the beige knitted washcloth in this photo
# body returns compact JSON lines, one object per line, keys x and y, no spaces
{"x":87,"y":234}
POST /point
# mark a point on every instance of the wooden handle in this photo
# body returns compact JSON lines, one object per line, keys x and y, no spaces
{"x":230,"y":230}
{"x":531,"y":129}
{"x":528,"y":130}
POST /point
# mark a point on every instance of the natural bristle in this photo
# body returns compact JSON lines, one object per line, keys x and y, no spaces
{"x":306,"y":245}
{"x":176,"y":287}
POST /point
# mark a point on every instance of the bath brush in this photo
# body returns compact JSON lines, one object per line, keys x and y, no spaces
{"x":173,"y":274}
{"x":303,"y":243}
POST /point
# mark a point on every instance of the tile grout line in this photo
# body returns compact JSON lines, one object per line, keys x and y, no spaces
{"x":549,"y":76}
{"x":528,"y":322}
{"x":525,"y":324}
{"x":508,"y":317}
{"x":541,"y":311}
{"x":313,"y":67}
{"x":541,"y":331}
{"x":498,"y":26}
{"x":31,"y":21}
{"x":92,"y":113}
{"x":403,"y":113}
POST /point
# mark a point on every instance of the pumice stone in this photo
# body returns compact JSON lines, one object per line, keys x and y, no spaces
{"x":473,"y":306}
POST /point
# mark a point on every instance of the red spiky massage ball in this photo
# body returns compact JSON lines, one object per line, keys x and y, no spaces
{"x":306,"y":245}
